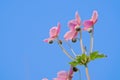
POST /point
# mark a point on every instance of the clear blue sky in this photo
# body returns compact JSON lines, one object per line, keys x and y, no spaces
{"x":25,"y":23}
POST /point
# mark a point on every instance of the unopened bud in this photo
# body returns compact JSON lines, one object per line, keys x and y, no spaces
{"x":75,"y":69}
{"x":60,"y":42}
{"x":50,"y":42}
{"x":74,"y":40}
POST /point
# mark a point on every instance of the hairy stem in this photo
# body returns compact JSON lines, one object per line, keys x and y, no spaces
{"x":91,"y":41}
{"x":87,"y":73}
{"x":79,"y":74}
{"x":81,"y":43}
{"x":71,"y":49}
{"x":63,"y":49}
{"x":70,"y":74}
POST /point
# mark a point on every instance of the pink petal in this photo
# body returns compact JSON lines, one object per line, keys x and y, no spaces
{"x":55,"y":79}
{"x":75,"y":22}
{"x":53,"y":32}
{"x":75,"y":33}
{"x":48,"y":39}
{"x":94,"y":17}
{"x":62,"y":74}
{"x":44,"y":79}
{"x":78,"y":18}
{"x":87,"y":24}
{"x":58,"y":28}
{"x":68,"y":35}
{"x":72,"y":24}
{"x":60,"y":79}
{"x":71,"y":71}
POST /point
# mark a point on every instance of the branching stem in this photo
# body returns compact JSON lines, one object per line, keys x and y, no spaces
{"x":71,"y":49}
{"x":63,"y":49}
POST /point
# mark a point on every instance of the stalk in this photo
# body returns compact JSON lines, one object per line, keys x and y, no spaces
{"x":87,"y":73}
{"x":63,"y":49}
{"x":71,"y":49}
{"x":81,"y":42}
{"x":91,"y":41}
{"x":79,"y":74}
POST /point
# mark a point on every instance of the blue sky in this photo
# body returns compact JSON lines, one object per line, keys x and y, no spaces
{"x":25,"y":23}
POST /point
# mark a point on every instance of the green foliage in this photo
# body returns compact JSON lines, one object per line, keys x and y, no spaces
{"x":74,"y":63}
{"x":84,"y":59}
{"x":96,"y":55}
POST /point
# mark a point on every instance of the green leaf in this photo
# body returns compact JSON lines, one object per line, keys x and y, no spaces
{"x":74,"y":63}
{"x":82,"y":59}
{"x":83,"y":56}
{"x":96,"y":55}
{"x":78,"y":59}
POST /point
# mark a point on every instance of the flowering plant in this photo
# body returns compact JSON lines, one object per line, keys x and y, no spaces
{"x":75,"y":29}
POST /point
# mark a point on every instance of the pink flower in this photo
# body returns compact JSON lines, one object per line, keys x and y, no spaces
{"x":62,"y":75}
{"x":88,"y":24}
{"x":73,"y":24}
{"x":53,"y":33}
{"x":44,"y":79}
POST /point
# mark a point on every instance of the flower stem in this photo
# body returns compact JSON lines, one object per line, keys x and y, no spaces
{"x":81,"y":42}
{"x":91,"y":41}
{"x":71,"y":49}
{"x":79,"y":74}
{"x":87,"y":73}
{"x":63,"y":49}
{"x":70,"y":73}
